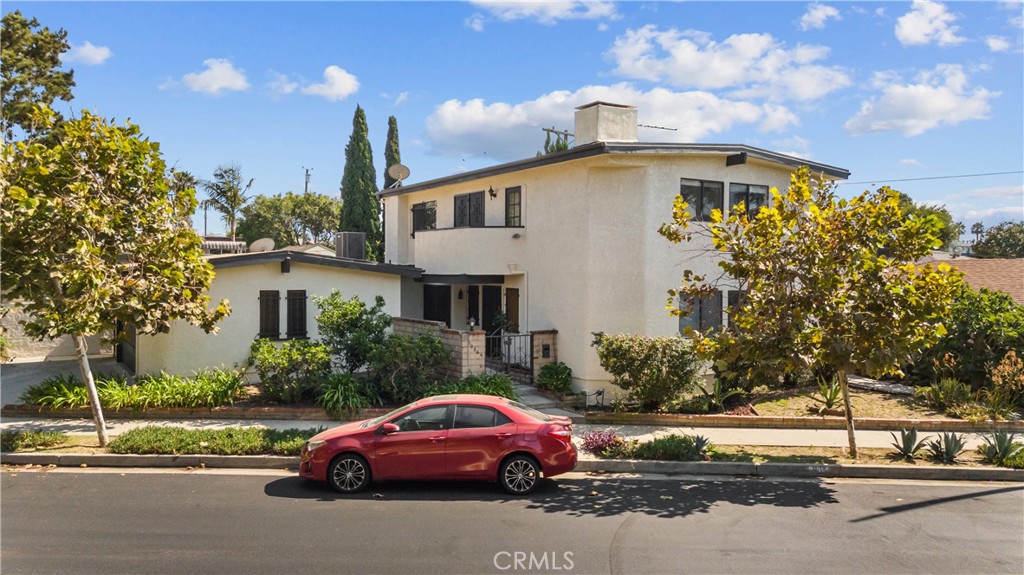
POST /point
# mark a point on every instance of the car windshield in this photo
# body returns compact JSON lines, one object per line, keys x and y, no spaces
{"x":385,"y":417}
{"x":529,"y":411}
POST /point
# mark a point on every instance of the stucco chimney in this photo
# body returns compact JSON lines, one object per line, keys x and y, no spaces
{"x":604,"y":122}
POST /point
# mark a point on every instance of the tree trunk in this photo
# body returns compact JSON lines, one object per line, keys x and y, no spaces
{"x":81,"y":349}
{"x":845,"y":386}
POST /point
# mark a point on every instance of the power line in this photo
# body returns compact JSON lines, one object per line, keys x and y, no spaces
{"x":930,"y":178}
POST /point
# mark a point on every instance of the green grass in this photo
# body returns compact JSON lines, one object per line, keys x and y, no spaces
{"x":21,"y":440}
{"x":234,"y":441}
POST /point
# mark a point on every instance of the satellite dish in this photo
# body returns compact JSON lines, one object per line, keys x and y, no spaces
{"x":262,"y":245}
{"x":398,"y":172}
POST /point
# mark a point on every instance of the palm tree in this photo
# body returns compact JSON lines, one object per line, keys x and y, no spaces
{"x":224,"y":193}
{"x":977,"y":229}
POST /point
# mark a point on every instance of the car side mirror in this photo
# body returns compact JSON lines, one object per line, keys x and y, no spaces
{"x":389,"y":428}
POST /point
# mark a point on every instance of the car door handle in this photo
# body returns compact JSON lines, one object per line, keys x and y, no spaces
{"x":502,"y":435}
{"x":437,"y":438}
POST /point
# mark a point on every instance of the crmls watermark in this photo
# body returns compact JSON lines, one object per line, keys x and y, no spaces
{"x":530,"y":561}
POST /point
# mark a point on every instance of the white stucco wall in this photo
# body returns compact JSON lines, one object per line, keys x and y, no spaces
{"x":589,"y":257}
{"x":186,"y":349}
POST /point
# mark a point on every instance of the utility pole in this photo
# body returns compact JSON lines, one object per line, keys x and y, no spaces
{"x":306,"y":188}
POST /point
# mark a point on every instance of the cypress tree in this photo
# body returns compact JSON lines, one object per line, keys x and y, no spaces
{"x":360,"y":211}
{"x":392,"y":155}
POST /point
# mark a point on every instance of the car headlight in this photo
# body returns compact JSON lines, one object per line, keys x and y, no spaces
{"x":312,"y":445}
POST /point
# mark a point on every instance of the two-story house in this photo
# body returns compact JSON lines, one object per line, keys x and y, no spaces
{"x":569,"y":241}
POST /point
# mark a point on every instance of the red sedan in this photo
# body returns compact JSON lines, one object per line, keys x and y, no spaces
{"x":444,"y":437}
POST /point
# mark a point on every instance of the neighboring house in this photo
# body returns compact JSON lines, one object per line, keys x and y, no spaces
{"x":569,"y":241}
{"x":271,"y":296}
{"x":1002,"y":274}
{"x":21,"y":347}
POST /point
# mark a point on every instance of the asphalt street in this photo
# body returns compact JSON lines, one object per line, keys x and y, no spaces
{"x":93,"y":521}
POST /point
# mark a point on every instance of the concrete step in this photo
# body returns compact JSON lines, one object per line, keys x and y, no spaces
{"x":575,"y":417}
{"x":537,"y":401}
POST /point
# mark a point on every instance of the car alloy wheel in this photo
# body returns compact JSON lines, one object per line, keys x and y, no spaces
{"x":349,"y":474}
{"x":519,"y":475}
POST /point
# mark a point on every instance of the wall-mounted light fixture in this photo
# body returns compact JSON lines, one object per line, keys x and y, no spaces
{"x":517,"y":235}
{"x":492,"y":192}
{"x":460,"y":294}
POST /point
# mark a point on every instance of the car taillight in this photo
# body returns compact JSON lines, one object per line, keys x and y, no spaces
{"x":563,"y":435}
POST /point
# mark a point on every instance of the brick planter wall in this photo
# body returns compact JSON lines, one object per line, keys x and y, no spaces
{"x":466,"y":347}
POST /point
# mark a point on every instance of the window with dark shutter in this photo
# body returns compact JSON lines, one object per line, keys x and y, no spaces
{"x":469,"y":210}
{"x":704,"y":314}
{"x":296,"y":314}
{"x":462,"y":211}
{"x":270,"y":314}
{"x":513,"y":207}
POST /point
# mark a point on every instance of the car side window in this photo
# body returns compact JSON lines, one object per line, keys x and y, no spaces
{"x":467,"y":416}
{"x":434,"y":418}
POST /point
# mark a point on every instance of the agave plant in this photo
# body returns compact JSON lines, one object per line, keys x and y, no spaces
{"x":947,"y":447}
{"x":702,"y":445}
{"x":907,"y":444}
{"x":999,"y":447}
{"x":714,"y":398}
{"x":829,"y":393}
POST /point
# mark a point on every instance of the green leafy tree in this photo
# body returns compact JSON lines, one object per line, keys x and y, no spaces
{"x":948,"y":231}
{"x":290,"y":219}
{"x":30,"y":71}
{"x":560,"y":144}
{"x":978,"y":229}
{"x":830,"y":284}
{"x":982,"y":327}
{"x":1005,"y":240}
{"x":225,"y":194}
{"x":360,"y":211}
{"x":93,"y":237}
{"x":351,"y":329}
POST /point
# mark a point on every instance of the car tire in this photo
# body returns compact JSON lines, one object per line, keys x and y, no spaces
{"x":519,"y":474}
{"x":348,"y":473}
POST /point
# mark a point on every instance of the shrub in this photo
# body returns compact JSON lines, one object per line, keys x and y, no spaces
{"x":18,"y":440}
{"x":292,"y":372}
{"x":233,"y":441}
{"x":674,"y":448}
{"x":907,"y":444}
{"x":601,"y":443}
{"x":946,"y":448}
{"x":350,"y":329}
{"x":499,"y":384}
{"x":652,"y":370}
{"x":342,"y":394}
{"x":59,"y":391}
{"x":983,"y":326}
{"x":946,"y":394}
{"x":1000,"y":447}
{"x":1015,"y":461}
{"x":556,"y":377}
{"x":404,"y":366}
{"x":1008,"y":377}
{"x":210,"y":388}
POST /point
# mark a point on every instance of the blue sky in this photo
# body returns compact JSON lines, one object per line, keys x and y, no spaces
{"x":889,"y":90}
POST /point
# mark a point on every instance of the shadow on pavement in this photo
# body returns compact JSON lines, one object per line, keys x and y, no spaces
{"x":586,"y":497}
{"x":928,"y":503}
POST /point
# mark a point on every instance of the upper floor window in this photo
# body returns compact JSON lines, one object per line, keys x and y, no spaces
{"x":735,"y":298}
{"x":424,"y":216}
{"x":702,"y":196}
{"x":513,"y":207}
{"x":753,"y":197}
{"x":469,"y":210}
{"x":705,"y":313}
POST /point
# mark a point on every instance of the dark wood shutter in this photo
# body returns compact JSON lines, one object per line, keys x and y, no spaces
{"x":270,"y":314}
{"x":476,"y":210}
{"x":296,"y":313}
{"x":462,"y":211}
{"x":711,"y":312}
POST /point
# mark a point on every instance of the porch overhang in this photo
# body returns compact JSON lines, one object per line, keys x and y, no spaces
{"x":459,"y":279}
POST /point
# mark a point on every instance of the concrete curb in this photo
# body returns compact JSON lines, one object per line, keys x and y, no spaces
{"x":702,"y":468}
{"x":776,"y":422}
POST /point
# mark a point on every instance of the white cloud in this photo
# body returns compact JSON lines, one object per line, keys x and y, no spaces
{"x":547,"y":13}
{"x":87,"y":53}
{"x":475,"y":23}
{"x":280,"y":84}
{"x":817,"y":15}
{"x":511,"y":131}
{"x":912,"y":162}
{"x":401,"y":98}
{"x":927,"y":22}
{"x":338,"y":84}
{"x":794,"y":146}
{"x":219,"y":75}
{"x":939,"y":97}
{"x":755,"y":65}
{"x":997,"y":43}
{"x":997,"y":192}
{"x":1003,"y":213}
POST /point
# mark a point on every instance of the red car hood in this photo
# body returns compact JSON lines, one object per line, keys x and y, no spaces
{"x":344,"y":429}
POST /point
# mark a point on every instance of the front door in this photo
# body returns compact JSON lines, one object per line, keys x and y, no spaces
{"x":437,"y":303}
{"x":417,"y":449}
{"x":491,"y":307}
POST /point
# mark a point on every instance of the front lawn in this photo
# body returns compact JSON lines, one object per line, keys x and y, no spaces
{"x":798,"y":403}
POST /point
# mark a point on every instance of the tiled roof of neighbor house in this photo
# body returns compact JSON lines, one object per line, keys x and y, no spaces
{"x":1005,"y":275}
{"x":636,"y":148}
{"x":277,"y":256}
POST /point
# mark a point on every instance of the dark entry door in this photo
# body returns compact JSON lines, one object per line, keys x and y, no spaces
{"x":474,"y":305}
{"x":124,"y":349}
{"x":491,"y":307}
{"x":437,"y":303}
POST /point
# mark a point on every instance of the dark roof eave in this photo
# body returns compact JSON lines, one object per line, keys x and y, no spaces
{"x":231,"y":261}
{"x":598,"y":148}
